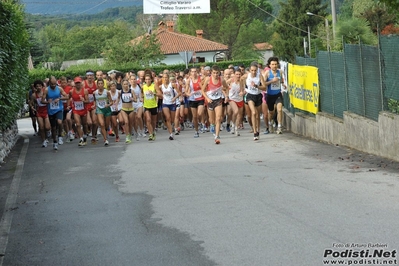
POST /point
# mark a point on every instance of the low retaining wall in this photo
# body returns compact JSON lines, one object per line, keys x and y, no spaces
{"x":354,"y":131}
{"x":8,"y":138}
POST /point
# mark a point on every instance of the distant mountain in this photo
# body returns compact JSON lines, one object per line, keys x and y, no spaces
{"x":58,"y":7}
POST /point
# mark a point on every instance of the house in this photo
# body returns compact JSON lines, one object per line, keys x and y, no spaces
{"x":265,"y":49}
{"x":172,"y":43}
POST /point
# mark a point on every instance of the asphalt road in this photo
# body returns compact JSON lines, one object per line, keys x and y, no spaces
{"x":284,"y":200}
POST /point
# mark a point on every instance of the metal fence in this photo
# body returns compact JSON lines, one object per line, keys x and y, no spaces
{"x":360,"y":79}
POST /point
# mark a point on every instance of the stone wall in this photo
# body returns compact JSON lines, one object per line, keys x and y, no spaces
{"x":354,"y":131}
{"x":8,"y":138}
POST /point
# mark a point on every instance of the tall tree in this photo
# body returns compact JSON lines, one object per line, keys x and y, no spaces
{"x":291,"y":27}
{"x":226,"y":21}
{"x":391,"y":4}
{"x":144,"y":50}
{"x":378,"y":16}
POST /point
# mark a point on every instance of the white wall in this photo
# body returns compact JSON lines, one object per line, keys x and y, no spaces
{"x":177,"y":59}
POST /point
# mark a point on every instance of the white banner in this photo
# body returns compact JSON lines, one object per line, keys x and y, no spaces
{"x":176,"y":7}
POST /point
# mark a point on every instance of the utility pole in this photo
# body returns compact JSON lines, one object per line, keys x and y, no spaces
{"x":334,"y":18}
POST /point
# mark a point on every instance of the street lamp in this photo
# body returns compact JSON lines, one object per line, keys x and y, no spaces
{"x":327,"y":28}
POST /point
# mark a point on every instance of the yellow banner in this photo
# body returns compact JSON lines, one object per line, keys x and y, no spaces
{"x":303,"y":84}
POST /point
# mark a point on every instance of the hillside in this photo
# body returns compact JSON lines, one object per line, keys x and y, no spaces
{"x":58,"y":7}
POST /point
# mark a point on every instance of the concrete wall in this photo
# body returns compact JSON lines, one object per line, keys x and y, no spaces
{"x":354,"y":131}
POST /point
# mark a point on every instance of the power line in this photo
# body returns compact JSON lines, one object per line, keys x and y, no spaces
{"x":285,"y":22}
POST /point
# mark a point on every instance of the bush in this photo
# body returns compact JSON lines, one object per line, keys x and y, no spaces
{"x":14,"y":52}
{"x":80,"y":70}
{"x":393,"y":106}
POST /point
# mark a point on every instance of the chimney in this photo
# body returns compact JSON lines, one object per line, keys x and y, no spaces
{"x":170,"y":25}
{"x":161,"y":25}
{"x":199,"y":33}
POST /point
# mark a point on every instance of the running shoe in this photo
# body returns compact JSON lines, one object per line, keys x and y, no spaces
{"x":213,"y":131}
{"x":93,"y":141}
{"x":217,"y":140}
{"x":196,"y":134}
{"x":206,"y":129}
{"x":84,"y":141}
{"x":266,"y":131}
{"x":81,"y":143}
{"x":279,"y":131}
{"x":182,"y":126}
{"x":128,"y":139}
{"x":237,"y":133}
{"x":137,"y":137}
{"x":170,"y":137}
{"x":256,"y":136}
{"x":60,"y":140}
{"x":55,"y":146}
{"x":228,"y":128}
{"x":44,"y":145}
{"x":150,"y":137}
{"x":106,"y":143}
{"x":117,"y":139}
{"x":271,"y":128}
{"x":111,"y":132}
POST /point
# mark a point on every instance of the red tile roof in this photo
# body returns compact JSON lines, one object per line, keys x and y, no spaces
{"x":263,"y":46}
{"x":175,"y":42}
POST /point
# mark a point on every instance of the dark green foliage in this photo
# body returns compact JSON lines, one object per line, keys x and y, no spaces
{"x":228,"y":22}
{"x":14,"y":52}
{"x":289,"y":42}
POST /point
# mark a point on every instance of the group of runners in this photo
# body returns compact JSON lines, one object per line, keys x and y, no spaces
{"x":138,"y":104}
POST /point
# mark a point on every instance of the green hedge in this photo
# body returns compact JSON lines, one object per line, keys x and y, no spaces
{"x":14,"y":52}
{"x":80,"y":70}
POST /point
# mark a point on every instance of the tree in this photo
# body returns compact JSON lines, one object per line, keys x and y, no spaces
{"x":359,"y":6}
{"x":226,"y":21}
{"x":292,"y":24}
{"x":355,"y":30}
{"x":346,"y":10}
{"x":378,"y":16}
{"x":242,"y":48}
{"x":391,"y":4}
{"x":145,"y":50}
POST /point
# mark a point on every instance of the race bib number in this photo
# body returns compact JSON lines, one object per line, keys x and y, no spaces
{"x":113,"y":108}
{"x":91,"y":98}
{"x":167,"y":94}
{"x":275,"y":86}
{"x":126,"y":97}
{"x":197,"y":94}
{"x":101,"y":104}
{"x":254,"y":90}
{"x":55,"y":105}
{"x":79,"y":106}
{"x":214,"y":94}
{"x":149,"y":96}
